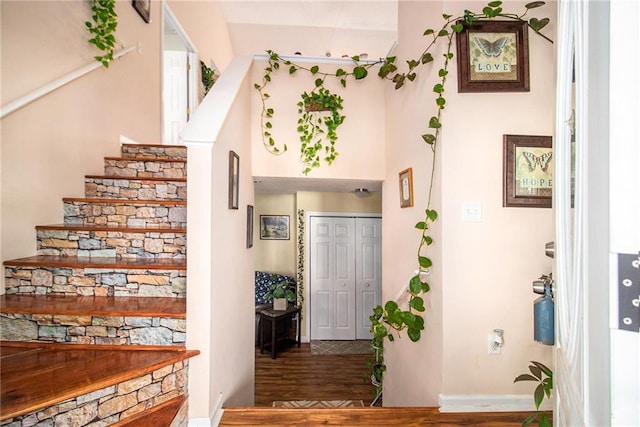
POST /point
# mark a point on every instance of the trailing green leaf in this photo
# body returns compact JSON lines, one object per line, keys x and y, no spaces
{"x":102,"y":28}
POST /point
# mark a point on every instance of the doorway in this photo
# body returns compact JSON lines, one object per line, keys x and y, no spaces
{"x":345,"y":276}
{"x":179,"y":78}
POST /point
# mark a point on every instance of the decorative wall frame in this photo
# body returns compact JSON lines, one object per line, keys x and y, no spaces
{"x":143,"y":7}
{"x":234,"y":180}
{"x":527,"y":171}
{"x":274,"y":227}
{"x":405,"y":179}
{"x":249,"y":226}
{"x":493,"y":56}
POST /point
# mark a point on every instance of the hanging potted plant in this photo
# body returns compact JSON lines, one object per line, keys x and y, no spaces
{"x":320,"y":116}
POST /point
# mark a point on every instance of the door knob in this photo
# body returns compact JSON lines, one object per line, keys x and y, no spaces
{"x":367,"y":285}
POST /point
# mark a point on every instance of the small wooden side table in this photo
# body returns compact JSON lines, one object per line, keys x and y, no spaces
{"x":271,"y":315}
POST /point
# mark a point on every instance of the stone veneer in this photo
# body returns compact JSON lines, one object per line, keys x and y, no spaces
{"x":144,"y":169}
{"x":88,"y":329}
{"x":88,"y":243}
{"x":87,"y":212}
{"x":95,"y":281}
{"x":111,"y":404}
{"x":132,"y":188}
{"x":154,"y":151}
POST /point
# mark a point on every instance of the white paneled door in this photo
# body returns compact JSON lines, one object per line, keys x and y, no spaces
{"x":344,"y":276}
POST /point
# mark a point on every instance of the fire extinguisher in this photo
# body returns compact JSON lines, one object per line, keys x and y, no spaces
{"x":543,"y":313}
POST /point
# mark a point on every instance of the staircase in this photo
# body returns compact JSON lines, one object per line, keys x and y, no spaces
{"x":93,"y":327}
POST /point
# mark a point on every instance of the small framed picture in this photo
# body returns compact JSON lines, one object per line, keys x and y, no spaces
{"x":249,"y":226}
{"x":493,"y":56}
{"x":234,"y":180}
{"x":527,"y":171}
{"x":406,"y":188}
{"x":143,"y":7}
{"x":274,"y":227}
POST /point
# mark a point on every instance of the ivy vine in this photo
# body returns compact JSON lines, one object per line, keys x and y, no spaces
{"x":102,"y":28}
{"x":390,"y":319}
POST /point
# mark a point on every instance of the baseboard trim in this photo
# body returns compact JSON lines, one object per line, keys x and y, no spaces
{"x":490,"y":403}
{"x":212,"y":421}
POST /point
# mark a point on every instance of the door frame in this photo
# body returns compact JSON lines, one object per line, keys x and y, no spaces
{"x":169,"y":18}
{"x":307,"y":260}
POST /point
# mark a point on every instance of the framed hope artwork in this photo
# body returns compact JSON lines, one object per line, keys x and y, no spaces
{"x":493,"y":56}
{"x":527,"y":171}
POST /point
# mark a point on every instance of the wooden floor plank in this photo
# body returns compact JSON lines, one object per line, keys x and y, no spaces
{"x":367,"y":417}
{"x":94,"y":305}
{"x":37,"y":377}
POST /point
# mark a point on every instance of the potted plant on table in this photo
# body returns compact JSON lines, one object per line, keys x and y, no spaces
{"x":281,"y":293}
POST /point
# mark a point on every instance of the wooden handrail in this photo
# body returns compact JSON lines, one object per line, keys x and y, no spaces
{"x":50,"y":87}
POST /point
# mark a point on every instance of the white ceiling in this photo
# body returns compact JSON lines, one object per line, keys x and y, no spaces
{"x":315,"y":29}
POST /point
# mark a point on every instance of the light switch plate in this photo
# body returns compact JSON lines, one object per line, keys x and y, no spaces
{"x":472,"y":211}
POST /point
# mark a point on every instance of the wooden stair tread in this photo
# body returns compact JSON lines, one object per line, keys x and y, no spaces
{"x":136,"y":178}
{"x":146,"y":159}
{"x":151,"y":228}
{"x":36,"y":377}
{"x":158,"y":416}
{"x":124,"y":201}
{"x":155,"y":145}
{"x":396,"y":416}
{"x":100,"y":262}
{"x":94,"y":305}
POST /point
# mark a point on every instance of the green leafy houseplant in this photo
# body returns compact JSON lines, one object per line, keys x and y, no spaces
{"x":389,"y":320}
{"x":208,"y":77}
{"x":544,"y":377}
{"x":102,"y":28}
{"x":281,"y":289}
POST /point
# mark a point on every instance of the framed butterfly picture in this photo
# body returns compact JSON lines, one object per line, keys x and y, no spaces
{"x":527,"y":171}
{"x":493,"y":56}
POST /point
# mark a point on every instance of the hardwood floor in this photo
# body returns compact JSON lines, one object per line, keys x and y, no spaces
{"x":297,"y":375}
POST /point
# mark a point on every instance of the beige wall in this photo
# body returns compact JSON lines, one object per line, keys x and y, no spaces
{"x":204,"y":23}
{"x":275,"y":256}
{"x":361,"y":141}
{"x":482,"y":272}
{"x":65,"y":135}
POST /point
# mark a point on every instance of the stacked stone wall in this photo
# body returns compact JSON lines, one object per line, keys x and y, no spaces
{"x":154,"y":151}
{"x":95,"y":281}
{"x":94,"y":212}
{"x":88,"y":243}
{"x":140,"y":189}
{"x":144,"y":169}
{"x":89,"y":329}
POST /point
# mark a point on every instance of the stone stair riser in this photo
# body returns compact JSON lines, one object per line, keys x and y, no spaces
{"x":135,"y":189}
{"x":138,"y":215}
{"x":95,"y":281}
{"x":88,"y":243}
{"x":87,"y":329}
{"x":145,"y":169}
{"x":154,"y":151}
{"x":114,"y":403}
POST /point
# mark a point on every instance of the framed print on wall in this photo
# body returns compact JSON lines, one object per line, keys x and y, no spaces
{"x":527,"y":171}
{"x":234,"y":180}
{"x":405,"y":179}
{"x":143,"y":7}
{"x":493,"y":56}
{"x":249,"y":226}
{"x":274,"y":227}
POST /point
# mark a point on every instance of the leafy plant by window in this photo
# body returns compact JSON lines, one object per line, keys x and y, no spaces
{"x":208,"y":77}
{"x":390,"y":319}
{"x":544,"y":377}
{"x":102,"y":28}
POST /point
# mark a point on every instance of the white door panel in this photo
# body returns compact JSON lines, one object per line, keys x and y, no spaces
{"x":175,"y":94}
{"x":345,"y":276}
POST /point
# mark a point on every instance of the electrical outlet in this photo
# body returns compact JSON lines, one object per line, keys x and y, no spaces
{"x":492,"y":348}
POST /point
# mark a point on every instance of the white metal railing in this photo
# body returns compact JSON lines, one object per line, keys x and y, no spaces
{"x":50,"y":87}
